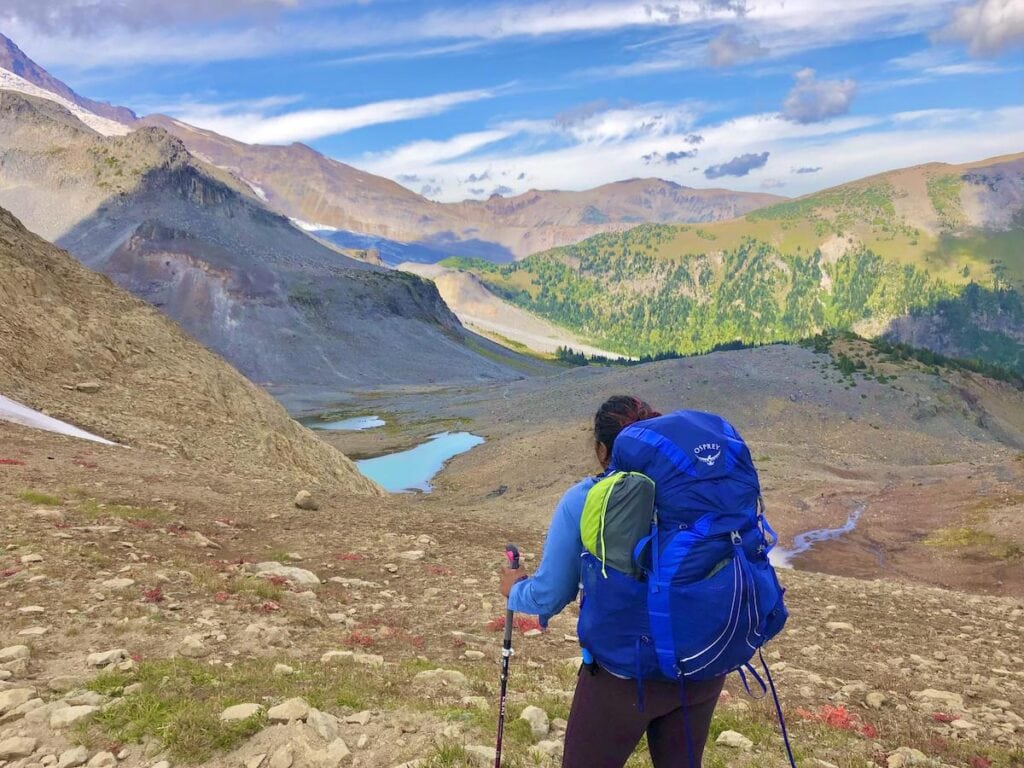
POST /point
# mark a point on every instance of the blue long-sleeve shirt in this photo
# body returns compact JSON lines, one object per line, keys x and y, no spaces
{"x":557,"y":580}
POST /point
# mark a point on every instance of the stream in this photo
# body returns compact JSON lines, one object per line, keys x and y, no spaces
{"x":783,"y":558}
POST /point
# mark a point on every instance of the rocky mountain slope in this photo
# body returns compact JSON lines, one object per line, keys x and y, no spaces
{"x":888,"y":253}
{"x":192,"y":240}
{"x":79,"y":348}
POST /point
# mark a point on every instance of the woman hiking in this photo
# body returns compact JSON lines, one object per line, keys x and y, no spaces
{"x":610,"y":712}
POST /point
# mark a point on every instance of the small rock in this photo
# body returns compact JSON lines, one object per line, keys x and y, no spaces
{"x":481,"y":755}
{"x":32,"y":558}
{"x":17,"y":746}
{"x":283,"y":670}
{"x":359,"y":718}
{"x":33,"y":632}
{"x":72,"y":758}
{"x":119,"y":583}
{"x":412,"y":555}
{"x":538,"y":720}
{"x":305,"y":500}
{"x":293,"y":574}
{"x":441,"y":678}
{"x":14,"y":653}
{"x":547,"y":748}
{"x":106,"y":658}
{"x":905,"y":757}
{"x":14,"y":698}
{"x":239,"y":712}
{"x":102,"y":760}
{"x":283,"y":757}
{"x":192,"y":647}
{"x":839,"y":626}
{"x":68,"y":716}
{"x":943,"y":699}
{"x":876,"y":700}
{"x":734,"y":740}
{"x":31,"y":609}
{"x":335,"y":657}
{"x":368,"y":659}
{"x":89,"y":388}
{"x":162,"y":764}
{"x":473,"y":655}
{"x":325,"y":725}
{"x":256,"y":760}
{"x":287,"y":711}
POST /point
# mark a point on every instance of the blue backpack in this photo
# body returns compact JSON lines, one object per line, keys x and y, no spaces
{"x":676,"y":579}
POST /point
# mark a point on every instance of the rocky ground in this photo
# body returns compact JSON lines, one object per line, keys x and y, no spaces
{"x":154,"y":609}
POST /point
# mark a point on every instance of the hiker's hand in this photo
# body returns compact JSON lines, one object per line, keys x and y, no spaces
{"x":510,"y":576}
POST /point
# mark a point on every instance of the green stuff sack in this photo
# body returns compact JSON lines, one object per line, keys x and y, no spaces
{"x":618,"y":513}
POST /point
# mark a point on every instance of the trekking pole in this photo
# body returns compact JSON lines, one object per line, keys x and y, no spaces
{"x":512,"y":553}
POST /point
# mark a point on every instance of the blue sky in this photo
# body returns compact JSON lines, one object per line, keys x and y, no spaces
{"x":457,"y":99}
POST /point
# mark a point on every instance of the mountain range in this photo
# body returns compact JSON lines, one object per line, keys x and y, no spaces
{"x":327,"y":195}
{"x":932,"y":254}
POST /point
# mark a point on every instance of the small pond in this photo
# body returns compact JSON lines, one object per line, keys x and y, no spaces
{"x":412,"y":470}
{"x":355,"y":424}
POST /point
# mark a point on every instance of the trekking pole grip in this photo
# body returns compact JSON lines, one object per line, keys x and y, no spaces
{"x":512,"y":553}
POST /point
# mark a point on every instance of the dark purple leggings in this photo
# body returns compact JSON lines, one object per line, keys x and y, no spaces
{"x":605,"y":723}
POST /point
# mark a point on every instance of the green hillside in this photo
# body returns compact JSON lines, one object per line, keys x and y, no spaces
{"x":903,"y":246}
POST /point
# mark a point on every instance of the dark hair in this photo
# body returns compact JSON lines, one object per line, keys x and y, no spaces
{"x":617,"y":413}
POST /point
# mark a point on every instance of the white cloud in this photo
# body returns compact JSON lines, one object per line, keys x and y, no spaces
{"x":989,"y":27}
{"x":731,"y":47}
{"x":812,"y":100}
{"x":256,"y":127}
{"x":853,"y":147}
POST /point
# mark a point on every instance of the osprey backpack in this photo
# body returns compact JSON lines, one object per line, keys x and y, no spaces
{"x":676,"y":580}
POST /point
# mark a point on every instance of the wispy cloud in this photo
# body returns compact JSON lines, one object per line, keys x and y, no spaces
{"x":243,"y":121}
{"x":542,"y":154}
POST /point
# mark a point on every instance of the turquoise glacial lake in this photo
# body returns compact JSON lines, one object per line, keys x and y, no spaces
{"x":413,"y":470}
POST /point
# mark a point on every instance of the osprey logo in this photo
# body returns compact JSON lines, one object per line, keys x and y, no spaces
{"x":708,"y":453}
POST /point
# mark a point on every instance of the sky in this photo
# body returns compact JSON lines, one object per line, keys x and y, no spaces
{"x":461,"y":100}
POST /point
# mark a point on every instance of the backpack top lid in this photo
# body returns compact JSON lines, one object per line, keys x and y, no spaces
{"x":701,"y":468}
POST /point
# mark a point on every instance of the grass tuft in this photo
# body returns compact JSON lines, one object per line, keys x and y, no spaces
{"x":35,"y":497}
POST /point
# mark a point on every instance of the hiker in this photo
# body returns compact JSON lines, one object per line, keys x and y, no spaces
{"x":611,"y":711}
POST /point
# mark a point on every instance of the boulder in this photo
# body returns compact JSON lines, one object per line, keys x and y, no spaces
{"x":305,"y":500}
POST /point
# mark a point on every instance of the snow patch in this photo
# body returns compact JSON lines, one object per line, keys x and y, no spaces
{"x":257,"y":190}
{"x":20,"y":414}
{"x":309,"y":226}
{"x":12,"y":82}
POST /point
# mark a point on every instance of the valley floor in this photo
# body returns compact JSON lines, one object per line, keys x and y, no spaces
{"x":108,"y":549}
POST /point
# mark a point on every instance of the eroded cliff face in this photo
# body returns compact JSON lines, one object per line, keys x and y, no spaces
{"x":198,"y":244}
